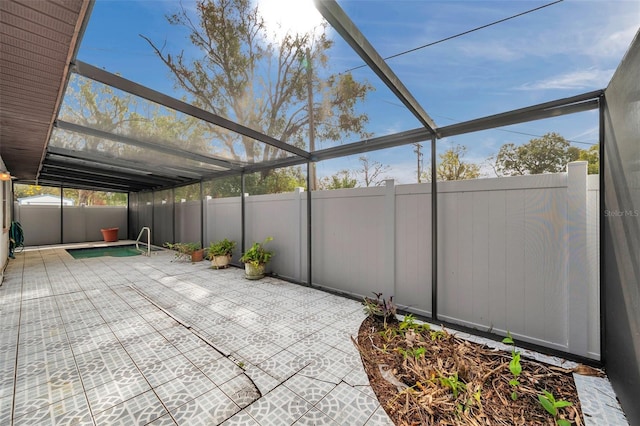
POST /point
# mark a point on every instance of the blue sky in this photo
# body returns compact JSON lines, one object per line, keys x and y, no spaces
{"x":568,"y":48}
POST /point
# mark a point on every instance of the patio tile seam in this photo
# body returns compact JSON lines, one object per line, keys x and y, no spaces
{"x":75,"y":361}
{"x":200,"y":336}
{"x":89,"y":405}
{"x":108,"y":324}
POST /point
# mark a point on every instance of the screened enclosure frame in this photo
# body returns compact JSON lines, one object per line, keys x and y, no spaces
{"x":100,"y":172}
{"x":69,"y":167}
{"x":90,"y":170}
{"x":171,"y":165}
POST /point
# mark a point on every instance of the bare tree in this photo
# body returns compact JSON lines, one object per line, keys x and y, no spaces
{"x":372,"y":171}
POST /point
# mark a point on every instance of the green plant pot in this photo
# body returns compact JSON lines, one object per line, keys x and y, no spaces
{"x":252,"y":272}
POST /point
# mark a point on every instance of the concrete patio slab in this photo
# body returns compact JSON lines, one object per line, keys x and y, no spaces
{"x":149,"y":340}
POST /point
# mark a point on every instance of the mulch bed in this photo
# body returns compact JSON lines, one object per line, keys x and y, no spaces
{"x":455,"y":382}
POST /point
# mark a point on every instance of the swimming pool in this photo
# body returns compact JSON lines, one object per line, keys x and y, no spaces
{"x":113,"y":251}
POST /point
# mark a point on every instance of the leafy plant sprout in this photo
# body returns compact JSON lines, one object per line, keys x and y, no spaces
{"x":549,"y":403}
{"x":514,"y":365}
{"x":437,"y":334}
{"x":453,"y":383}
{"x":409,"y":323}
{"x":415,"y":353}
{"x":388,"y":333}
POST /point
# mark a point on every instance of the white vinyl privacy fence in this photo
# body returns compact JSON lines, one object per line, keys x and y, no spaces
{"x":517,"y":253}
{"x":46,"y":224}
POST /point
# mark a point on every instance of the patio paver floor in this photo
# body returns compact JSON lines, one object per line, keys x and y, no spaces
{"x":139,"y":340}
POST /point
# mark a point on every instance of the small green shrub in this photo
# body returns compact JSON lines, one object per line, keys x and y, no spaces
{"x":221,"y":248}
{"x":257,"y":254}
{"x":183,"y":250}
{"x":409,"y":323}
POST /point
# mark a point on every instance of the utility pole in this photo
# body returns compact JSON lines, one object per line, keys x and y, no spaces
{"x":418,"y":147}
{"x":312,"y":142}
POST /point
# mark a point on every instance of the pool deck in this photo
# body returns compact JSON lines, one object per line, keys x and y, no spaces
{"x":148,"y":340}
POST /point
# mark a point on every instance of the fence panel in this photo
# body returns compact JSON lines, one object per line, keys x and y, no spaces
{"x":163,"y":218}
{"x":413,"y":248}
{"x":80,"y":223}
{"x":223,"y":220}
{"x":278,"y":216}
{"x":501,"y":264}
{"x":349,"y":241}
{"x":188,"y":221}
{"x":74,"y":227}
{"x":41,"y":224}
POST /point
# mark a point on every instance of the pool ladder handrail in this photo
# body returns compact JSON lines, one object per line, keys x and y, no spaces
{"x":144,"y":228}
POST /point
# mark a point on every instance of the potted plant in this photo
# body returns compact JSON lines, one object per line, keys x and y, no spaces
{"x":220,"y":253}
{"x":187,"y":250}
{"x":255,"y":259}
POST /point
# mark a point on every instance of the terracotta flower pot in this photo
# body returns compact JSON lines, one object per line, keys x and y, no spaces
{"x":110,"y":234}
{"x":197,"y":255}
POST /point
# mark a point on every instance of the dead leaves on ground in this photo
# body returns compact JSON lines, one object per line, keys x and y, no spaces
{"x":422,"y":377}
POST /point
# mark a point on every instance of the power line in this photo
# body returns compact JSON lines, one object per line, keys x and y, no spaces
{"x":539,"y":136}
{"x":496,"y":128}
{"x":461,"y":34}
{"x":523,"y":133}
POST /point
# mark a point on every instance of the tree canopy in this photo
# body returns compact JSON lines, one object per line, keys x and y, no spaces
{"x":275,"y":181}
{"x":452,"y":166}
{"x":592,"y":156}
{"x":239,"y":73}
{"x":547,"y":154}
{"x":339,"y":180}
{"x":79,"y":196}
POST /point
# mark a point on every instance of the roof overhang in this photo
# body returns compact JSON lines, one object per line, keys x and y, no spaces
{"x":38,"y":41}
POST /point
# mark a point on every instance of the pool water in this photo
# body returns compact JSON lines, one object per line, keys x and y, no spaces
{"x":114,"y":251}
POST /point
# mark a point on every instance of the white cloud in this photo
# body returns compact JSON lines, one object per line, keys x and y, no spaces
{"x":591,"y":133}
{"x":585,"y":79}
{"x":493,"y":50}
{"x":403,"y":172}
{"x":615,"y":43}
{"x":598,"y":30}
